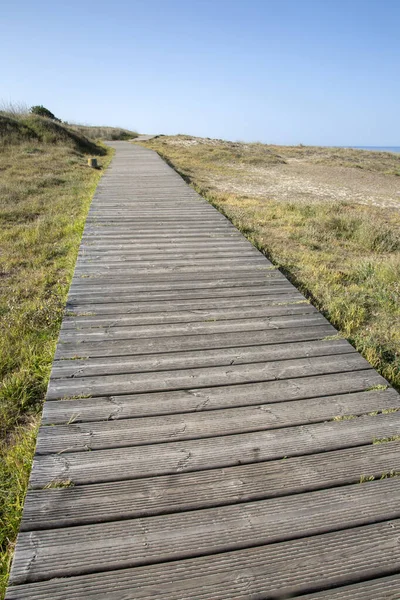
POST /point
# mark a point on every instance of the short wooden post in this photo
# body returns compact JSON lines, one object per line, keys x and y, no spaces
{"x":92,"y":162}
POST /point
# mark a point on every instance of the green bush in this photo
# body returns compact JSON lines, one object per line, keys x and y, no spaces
{"x":43,"y":112}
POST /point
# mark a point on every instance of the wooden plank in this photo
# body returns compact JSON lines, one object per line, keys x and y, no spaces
{"x":192,"y":455}
{"x":142,"y":231}
{"x":387,"y":588}
{"x":277,"y":570}
{"x":163,"y":270}
{"x":102,"y":247}
{"x":111,"y":215}
{"x":138,"y":405}
{"x":200,"y":315}
{"x":88,"y":285}
{"x":100,"y":244}
{"x":199,"y":358}
{"x":234,"y":251}
{"x":76,"y":550}
{"x":204,"y":377}
{"x":261,"y":292}
{"x":132,"y":293}
{"x":203,"y":264}
{"x":127,"y":308}
{"x":191,"y":342}
{"x":128,"y":292}
{"x":231,"y":234}
{"x":205,"y":327}
{"x":172,"y":215}
{"x":54,"y":508}
{"x":136,"y":257}
{"x":93,"y":435}
{"x":268,"y":278}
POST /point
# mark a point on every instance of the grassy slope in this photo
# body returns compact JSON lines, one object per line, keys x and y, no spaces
{"x":45,"y":190}
{"x":105,"y":133}
{"x":344,"y":256}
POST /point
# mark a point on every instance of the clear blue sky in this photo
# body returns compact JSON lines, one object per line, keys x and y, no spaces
{"x":279,"y":71}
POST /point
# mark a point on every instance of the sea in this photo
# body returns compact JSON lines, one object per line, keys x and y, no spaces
{"x":395,"y":149}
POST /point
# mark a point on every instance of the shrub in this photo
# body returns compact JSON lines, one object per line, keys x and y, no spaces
{"x":43,"y":112}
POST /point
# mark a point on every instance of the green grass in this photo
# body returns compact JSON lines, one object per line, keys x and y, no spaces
{"x":15,"y":466}
{"x":344,"y":256}
{"x":385,"y":475}
{"x":32,"y":129}
{"x":387,"y":440}
{"x":45,"y":190}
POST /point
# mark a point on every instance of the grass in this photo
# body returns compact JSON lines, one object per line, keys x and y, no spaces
{"x":386,"y":440}
{"x":343,"y":255}
{"x":385,"y":475}
{"x":33,"y":130}
{"x":15,"y":467}
{"x":104,"y":133}
{"x":45,"y":190}
{"x":58,"y":484}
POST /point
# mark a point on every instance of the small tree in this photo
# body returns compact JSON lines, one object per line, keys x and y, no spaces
{"x":43,"y":112}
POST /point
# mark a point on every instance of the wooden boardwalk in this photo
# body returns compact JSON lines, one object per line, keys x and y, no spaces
{"x":195,"y":409}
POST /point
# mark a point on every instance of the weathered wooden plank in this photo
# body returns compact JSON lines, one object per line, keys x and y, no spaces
{"x":130,"y":289}
{"x":203,"y":264}
{"x":160,"y":269}
{"x":205,"y":377}
{"x":199,"y":358}
{"x":284,"y":569}
{"x":141,"y":231}
{"x":383,"y":588}
{"x":139,"y":405}
{"x":267,"y":277}
{"x":261,"y":292}
{"x":174,"y":215}
{"x":174,"y":219}
{"x":92,"y":286}
{"x":133,"y":245}
{"x":161,"y":292}
{"x":256,"y":278}
{"x":205,"y":253}
{"x":174,"y":329}
{"x":102,"y":247}
{"x":133,"y":210}
{"x":191,"y":342}
{"x":144,"y":223}
{"x":77,"y":436}
{"x":136,"y":257}
{"x":53,"y":508}
{"x":200,"y":315}
{"x":192,"y":455}
{"x":225,"y":233}
{"x":127,"y":308}
{"x":76,"y":550}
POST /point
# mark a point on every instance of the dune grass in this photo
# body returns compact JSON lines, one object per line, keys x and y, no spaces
{"x":105,"y":133}
{"x":342,"y":255}
{"x":45,"y":191}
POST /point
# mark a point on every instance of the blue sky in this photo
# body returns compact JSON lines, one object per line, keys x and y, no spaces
{"x":279,"y":71}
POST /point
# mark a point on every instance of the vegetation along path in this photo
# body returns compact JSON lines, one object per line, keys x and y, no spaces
{"x":206,"y":434}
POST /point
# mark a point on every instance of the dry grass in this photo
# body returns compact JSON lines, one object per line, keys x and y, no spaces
{"x":342,"y":254}
{"x":288,"y":173}
{"x":45,"y":190}
{"x":105,"y":133}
